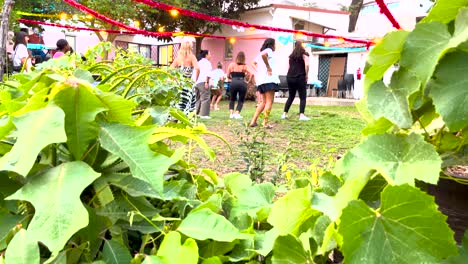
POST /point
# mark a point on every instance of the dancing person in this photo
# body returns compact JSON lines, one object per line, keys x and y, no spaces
{"x":267,"y":81}
{"x":62,"y":48}
{"x":202,"y":85}
{"x":187,"y":63}
{"x":237,"y":72}
{"x":217,"y":76}
{"x":21,"y":57}
{"x":297,"y":80}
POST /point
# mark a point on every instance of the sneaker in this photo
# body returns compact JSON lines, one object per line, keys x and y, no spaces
{"x":231,"y":116}
{"x":304,"y":118}
{"x":284,"y":116}
{"x":205,"y":117}
{"x":237,"y":116}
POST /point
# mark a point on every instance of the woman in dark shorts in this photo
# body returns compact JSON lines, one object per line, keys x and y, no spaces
{"x":267,"y":81}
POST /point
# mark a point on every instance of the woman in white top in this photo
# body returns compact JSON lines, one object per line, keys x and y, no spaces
{"x":188,"y":64}
{"x":267,"y":81}
{"x":217,"y":76}
{"x":21,"y":58}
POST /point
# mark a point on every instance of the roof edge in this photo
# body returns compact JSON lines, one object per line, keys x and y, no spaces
{"x":302,"y":8}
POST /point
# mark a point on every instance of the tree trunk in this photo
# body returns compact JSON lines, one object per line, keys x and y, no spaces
{"x":354,"y":9}
{"x":198,"y":42}
{"x":4,"y":26}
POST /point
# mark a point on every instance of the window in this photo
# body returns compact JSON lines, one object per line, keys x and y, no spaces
{"x":166,"y":54}
{"x":71,"y":41}
{"x":144,"y":50}
{"x":228,"y":49}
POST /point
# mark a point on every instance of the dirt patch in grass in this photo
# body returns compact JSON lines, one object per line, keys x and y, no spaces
{"x":331,"y":131}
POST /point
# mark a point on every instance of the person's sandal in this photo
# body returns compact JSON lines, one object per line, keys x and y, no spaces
{"x":268,"y":126}
{"x":253,"y":125}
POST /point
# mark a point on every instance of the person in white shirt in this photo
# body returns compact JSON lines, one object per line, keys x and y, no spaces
{"x":21,"y":58}
{"x":217,"y":77}
{"x":267,"y":80}
{"x":202,"y":85}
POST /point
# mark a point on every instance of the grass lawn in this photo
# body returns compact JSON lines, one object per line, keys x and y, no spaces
{"x":331,"y":131}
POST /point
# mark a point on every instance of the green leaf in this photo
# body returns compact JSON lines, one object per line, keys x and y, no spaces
{"x":449,"y":91}
{"x":119,"y":108}
{"x":84,"y":75}
{"x":130,"y":144}
{"x":445,"y":11}
{"x":155,"y":260}
{"x":399,"y":159}
{"x":291,"y":211}
{"x":333,"y":206}
{"x":8,"y":223}
{"x":392,"y":102}
{"x":329,"y":183}
{"x":289,"y":249}
{"x":205,"y":224}
{"x":423,"y":49}
{"x":6,"y":126}
{"x":385,"y":54}
{"x":115,"y":253}
{"x":406,"y":229}
{"x":81,"y":107}
{"x":36,"y":130}
{"x":235,"y":182}
{"x":462,"y":252}
{"x":209,"y":248}
{"x":373,"y":188}
{"x":212,"y":260}
{"x":252,"y":199}
{"x":290,"y":214}
{"x":55,"y":195}
{"x":22,"y":249}
{"x":379,"y":126}
{"x":173,"y":251}
{"x":214,"y":203}
{"x":244,"y":250}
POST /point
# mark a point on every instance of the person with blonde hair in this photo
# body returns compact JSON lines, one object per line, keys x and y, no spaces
{"x":237,"y":71}
{"x":188,"y":65}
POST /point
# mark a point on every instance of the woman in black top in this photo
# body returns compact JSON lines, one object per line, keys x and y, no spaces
{"x":237,"y":72}
{"x":297,"y":80}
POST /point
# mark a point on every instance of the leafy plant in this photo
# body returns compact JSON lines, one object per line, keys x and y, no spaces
{"x":115,"y":186}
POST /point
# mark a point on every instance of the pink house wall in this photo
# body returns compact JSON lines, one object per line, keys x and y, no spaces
{"x":250,"y":47}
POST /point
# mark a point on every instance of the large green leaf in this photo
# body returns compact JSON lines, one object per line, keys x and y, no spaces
{"x":130,"y":144}
{"x":399,"y":159}
{"x":55,"y":195}
{"x":290,"y":214}
{"x":449,"y":91}
{"x":205,"y":224}
{"x":385,"y":54}
{"x":119,"y":108}
{"x":6,"y":126}
{"x":174,"y":252}
{"x":22,"y":249}
{"x":252,"y":199}
{"x":423,"y":48}
{"x":392,"y":102}
{"x":236,"y":182}
{"x":445,"y":10}
{"x":115,"y":253}
{"x":406,"y":229}
{"x":8,"y":225}
{"x":81,"y":106}
{"x":462,"y":252}
{"x":289,"y":249}
{"x":36,"y":130}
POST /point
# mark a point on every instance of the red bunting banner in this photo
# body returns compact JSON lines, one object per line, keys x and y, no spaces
{"x":384,"y":10}
{"x":134,"y":30}
{"x":225,"y":21}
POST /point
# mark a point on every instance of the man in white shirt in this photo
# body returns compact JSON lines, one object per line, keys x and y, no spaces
{"x":202,"y":85}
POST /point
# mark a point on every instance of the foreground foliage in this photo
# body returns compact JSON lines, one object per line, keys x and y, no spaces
{"x":90,"y":174}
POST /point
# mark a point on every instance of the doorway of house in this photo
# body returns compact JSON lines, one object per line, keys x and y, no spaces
{"x":331,"y":70}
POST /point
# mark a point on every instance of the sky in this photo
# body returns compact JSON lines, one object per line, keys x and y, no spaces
{"x":329,"y":4}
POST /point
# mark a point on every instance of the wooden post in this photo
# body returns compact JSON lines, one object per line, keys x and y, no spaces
{"x":4,"y":26}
